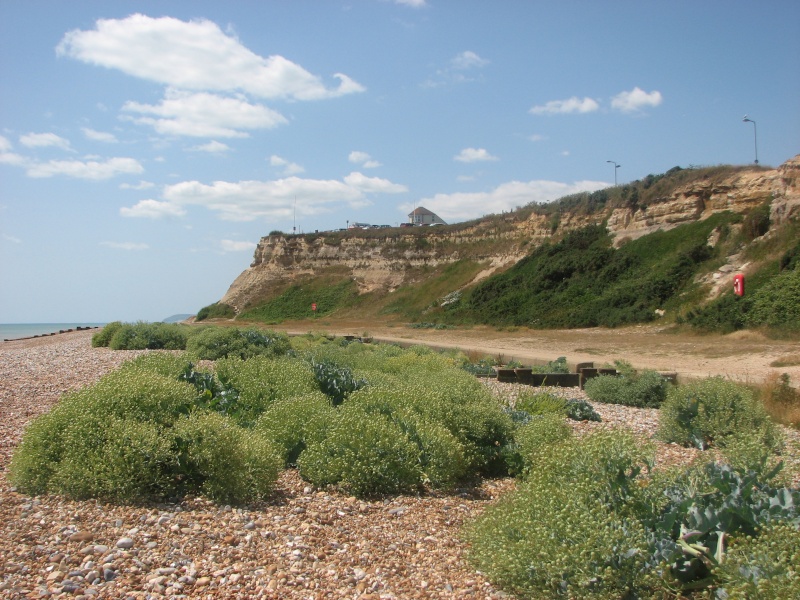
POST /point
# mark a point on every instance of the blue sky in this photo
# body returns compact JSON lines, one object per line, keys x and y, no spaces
{"x":145,"y":147}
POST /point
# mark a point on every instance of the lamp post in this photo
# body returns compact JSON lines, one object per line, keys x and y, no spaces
{"x":616,"y":166}
{"x":755,"y":134}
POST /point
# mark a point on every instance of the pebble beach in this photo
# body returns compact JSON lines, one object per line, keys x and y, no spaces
{"x":302,"y":543}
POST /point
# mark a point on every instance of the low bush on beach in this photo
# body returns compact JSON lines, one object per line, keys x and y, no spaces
{"x":218,"y":310}
{"x":102,"y":338}
{"x":706,"y":412}
{"x":619,"y":530}
{"x":213,"y":343}
{"x":647,"y":389}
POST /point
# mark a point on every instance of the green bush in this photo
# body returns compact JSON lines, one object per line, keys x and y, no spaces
{"x":647,"y":389}
{"x":214,"y":343}
{"x":363,"y":454}
{"x":541,"y":403}
{"x":705,"y":412}
{"x":763,"y":566}
{"x":581,"y":410}
{"x":102,"y":338}
{"x":223,"y":461}
{"x":218,"y":310}
{"x":292,"y":423}
{"x":150,"y":336}
{"x":565,"y":531}
{"x":537,"y":436}
{"x":335,"y":381}
{"x":777,"y":304}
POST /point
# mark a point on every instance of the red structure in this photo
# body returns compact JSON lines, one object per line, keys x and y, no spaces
{"x":738,"y":284}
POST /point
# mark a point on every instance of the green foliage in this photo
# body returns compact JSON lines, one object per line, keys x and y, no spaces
{"x":225,"y":462}
{"x":292,"y":423}
{"x":565,"y":532}
{"x":335,"y":381}
{"x":756,"y":222}
{"x":558,"y":365}
{"x":329,"y":294}
{"x":580,"y":410}
{"x":538,"y":435}
{"x":591,"y":521}
{"x":647,"y":389}
{"x":149,"y":336}
{"x":582,"y":281}
{"x":364,"y":454}
{"x":102,"y":338}
{"x":541,"y":403}
{"x":763,"y":566}
{"x":213,"y":343}
{"x":708,"y":411}
{"x":777,"y":304}
{"x":218,"y":310}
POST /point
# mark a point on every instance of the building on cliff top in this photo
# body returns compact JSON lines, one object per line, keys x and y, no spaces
{"x":422,"y":216}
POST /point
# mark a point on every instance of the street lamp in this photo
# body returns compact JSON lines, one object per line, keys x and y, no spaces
{"x":755,"y":134}
{"x":616,"y":166}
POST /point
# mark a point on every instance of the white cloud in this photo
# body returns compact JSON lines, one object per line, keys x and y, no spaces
{"x":363,"y":159}
{"x":125,"y":245}
{"x":507,"y":196}
{"x":412,"y":3}
{"x":152,"y":209}
{"x":44,"y":140}
{"x":5,"y":144}
{"x":90,"y":169}
{"x":213,"y":147}
{"x":11,"y":238}
{"x":142,"y":185}
{"x":373,"y":185}
{"x":468,"y":60}
{"x":470,"y":155}
{"x":537,"y":137}
{"x":99,"y":136}
{"x":287,"y":167}
{"x":278,"y":199}
{"x":635,"y":100}
{"x":234,"y":246}
{"x":194,"y":55}
{"x":204,"y":115}
{"x":568,"y":106}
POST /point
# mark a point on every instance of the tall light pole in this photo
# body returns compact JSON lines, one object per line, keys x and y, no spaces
{"x":616,"y":166}
{"x":755,"y":134}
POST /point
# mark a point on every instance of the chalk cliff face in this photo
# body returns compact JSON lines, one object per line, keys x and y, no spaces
{"x":386,"y":262}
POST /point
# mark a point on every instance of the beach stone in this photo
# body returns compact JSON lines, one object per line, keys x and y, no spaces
{"x":81,"y":536}
{"x":125,"y":543}
{"x":109,"y":574}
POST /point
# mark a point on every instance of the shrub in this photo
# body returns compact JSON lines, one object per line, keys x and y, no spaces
{"x":541,"y":403}
{"x":292,"y":423}
{"x":763,"y":566}
{"x":539,"y":435}
{"x":214,"y":343}
{"x":558,"y":365}
{"x":260,"y":381}
{"x":777,"y":304}
{"x":218,"y":310}
{"x":150,"y":336}
{"x":707,"y":411}
{"x":581,"y":410}
{"x":564,"y":532}
{"x":647,"y":389}
{"x":781,"y":400}
{"x":364,"y":454}
{"x":223,"y":461}
{"x":102,"y":338}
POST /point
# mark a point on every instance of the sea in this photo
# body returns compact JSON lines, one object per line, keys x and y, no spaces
{"x":15,"y":331}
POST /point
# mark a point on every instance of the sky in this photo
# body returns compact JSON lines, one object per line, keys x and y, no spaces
{"x":146,"y":146}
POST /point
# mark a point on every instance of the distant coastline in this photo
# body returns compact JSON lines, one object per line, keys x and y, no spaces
{"x":10,"y":332}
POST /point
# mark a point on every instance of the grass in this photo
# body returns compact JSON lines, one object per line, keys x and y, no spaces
{"x":791,"y":360}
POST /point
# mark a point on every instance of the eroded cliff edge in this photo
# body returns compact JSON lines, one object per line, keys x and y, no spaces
{"x":387,"y":261}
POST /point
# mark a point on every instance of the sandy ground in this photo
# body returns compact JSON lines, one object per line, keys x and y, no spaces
{"x":745,"y":356}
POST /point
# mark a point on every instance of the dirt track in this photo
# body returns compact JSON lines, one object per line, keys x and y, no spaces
{"x":744,"y":356}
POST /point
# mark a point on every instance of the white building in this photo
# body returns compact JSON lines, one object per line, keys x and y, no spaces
{"x":422,"y":216}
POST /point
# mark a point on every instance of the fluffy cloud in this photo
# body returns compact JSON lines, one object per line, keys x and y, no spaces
{"x":462,"y":206}
{"x":99,"y":136}
{"x":125,"y":245}
{"x":234,"y":246}
{"x":44,"y":140}
{"x":412,"y":3}
{"x":568,"y":106}
{"x":468,"y":60}
{"x":142,"y":185}
{"x":5,"y":144}
{"x":470,"y":155}
{"x":287,"y":167}
{"x":363,"y":159}
{"x":213,"y":147}
{"x":278,"y":199}
{"x":635,"y":100}
{"x":204,"y":115}
{"x":152,"y":209}
{"x":194,"y":55}
{"x":89,"y":169}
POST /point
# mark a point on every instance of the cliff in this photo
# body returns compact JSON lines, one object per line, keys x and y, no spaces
{"x":379,"y":261}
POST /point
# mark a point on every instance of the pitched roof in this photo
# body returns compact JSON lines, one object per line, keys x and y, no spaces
{"x":421,"y":210}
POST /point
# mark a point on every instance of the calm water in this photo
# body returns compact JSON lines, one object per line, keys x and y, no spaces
{"x":14,"y":331}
